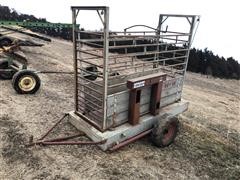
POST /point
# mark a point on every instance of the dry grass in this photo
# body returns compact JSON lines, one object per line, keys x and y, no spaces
{"x":207,"y":146}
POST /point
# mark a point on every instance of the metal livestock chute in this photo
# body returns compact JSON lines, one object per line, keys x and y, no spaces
{"x":128,"y":83}
{"x":139,"y":80}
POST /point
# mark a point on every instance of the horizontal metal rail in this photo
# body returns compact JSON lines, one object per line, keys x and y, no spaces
{"x":87,"y":62}
{"x":89,"y":81}
{"x":91,"y":102}
{"x":124,"y":83}
{"x":89,"y":8}
{"x":116,"y":85}
{"x":146,"y":53}
{"x":90,"y":110}
{"x":89,"y":72}
{"x":115,"y":39}
{"x":93,"y":113}
{"x":90,"y":43}
{"x":90,"y":88}
{"x":173,"y":65}
{"x":143,"y":65}
{"x":134,"y":46}
{"x":94,"y":97}
{"x":131,"y":31}
{"x":145,"y":60}
{"x":52,"y":143}
{"x":178,"y":15}
{"x":87,"y":119}
{"x":145,"y":36}
{"x":99,"y":33}
{"x":130,"y":140}
{"x":155,"y":69}
{"x":171,"y":33}
{"x":87,"y":52}
{"x":172,"y":39}
{"x":113,"y":57}
{"x":176,"y":32}
{"x":124,"y":32}
{"x":130,"y":39}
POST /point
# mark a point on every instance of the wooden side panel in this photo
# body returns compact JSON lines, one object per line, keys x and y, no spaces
{"x":118,"y":103}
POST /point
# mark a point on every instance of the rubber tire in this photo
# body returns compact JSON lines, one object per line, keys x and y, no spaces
{"x":19,"y":75}
{"x":5,"y":42}
{"x":159,"y":131}
{"x":91,"y":77}
{"x":6,"y":75}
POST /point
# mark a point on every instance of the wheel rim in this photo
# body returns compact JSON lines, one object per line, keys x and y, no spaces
{"x":169,"y":132}
{"x":27,"y":83}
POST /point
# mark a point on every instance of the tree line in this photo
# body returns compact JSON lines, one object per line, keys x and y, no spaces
{"x":200,"y":61}
{"x":206,"y":62}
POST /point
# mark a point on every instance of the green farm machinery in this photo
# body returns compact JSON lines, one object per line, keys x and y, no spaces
{"x":13,"y":65}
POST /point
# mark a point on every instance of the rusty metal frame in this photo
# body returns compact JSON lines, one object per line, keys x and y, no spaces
{"x":61,"y":140}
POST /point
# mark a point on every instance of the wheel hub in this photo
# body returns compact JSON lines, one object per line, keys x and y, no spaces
{"x":169,"y":132}
{"x":27,"y":83}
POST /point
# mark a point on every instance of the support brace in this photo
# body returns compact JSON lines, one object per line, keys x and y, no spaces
{"x":136,"y":85}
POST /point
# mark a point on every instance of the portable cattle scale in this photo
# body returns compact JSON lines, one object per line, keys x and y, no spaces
{"x":138,"y":83}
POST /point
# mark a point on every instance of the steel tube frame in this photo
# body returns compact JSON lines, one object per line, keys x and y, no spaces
{"x":140,"y":64}
{"x":171,"y":50}
{"x":105,"y":56}
{"x":118,"y":38}
{"x":133,"y":46}
{"x":74,"y":16}
{"x":105,"y":64}
{"x":146,"y":53}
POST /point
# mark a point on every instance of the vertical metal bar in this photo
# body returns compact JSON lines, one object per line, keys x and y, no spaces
{"x":189,"y":43}
{"x":192,"y":25}
{"x":75,"y":58}
{"x":159,"y":33}
{"x":160,"y":24}
{"x":105,"y":65}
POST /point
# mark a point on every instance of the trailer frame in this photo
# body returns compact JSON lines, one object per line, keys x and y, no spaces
{"x":146,"y":86}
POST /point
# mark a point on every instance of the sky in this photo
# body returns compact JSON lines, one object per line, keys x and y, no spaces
{"x":218,"y":29}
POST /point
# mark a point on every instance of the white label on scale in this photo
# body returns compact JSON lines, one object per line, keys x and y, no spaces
{"x":139,"y":84}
